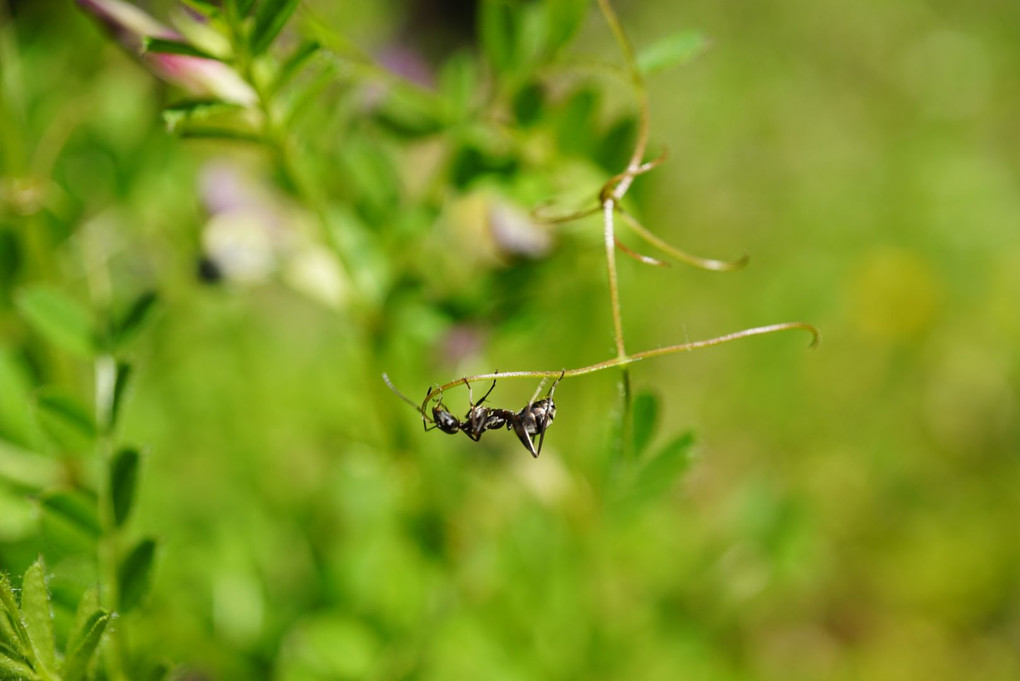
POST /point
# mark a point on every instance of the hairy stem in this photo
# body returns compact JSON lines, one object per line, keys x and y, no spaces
{"x":636,"y":357}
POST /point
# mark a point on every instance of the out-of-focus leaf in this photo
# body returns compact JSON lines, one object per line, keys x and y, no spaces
{"x":221,"y":134}
{"x":270,"y":18}
{"x":646,"y":416}
{"x":178,"y":116}
{"x":15,"y":406}
{"x":166,"y":46}
{"x":305,"y":51}
{"x":120,"y":383}
{"x":82,"y":646}
{"x":656,"y":476}
{"x":243,"y":6}
{"x":26,"y":469}
{"x":674,"y":50}
{"x":134,"y":319}
{"x":458,"y":81}
{"x":498,"y":33}
{"x":123,"y":480}
{"x":409,"y":114}
{"x":59,"y":318}
{"x":65,"y":420}
{"x":307,"y":97}
{"x":575,"y":125}
{"x":38,"y":615}
{"x":77,"y":508}
{"x":134,"y":576}
{"x":563,"y":18}
{"x":527,"y":104}
{"x":613,"y":152}
{"x":204,"y":7}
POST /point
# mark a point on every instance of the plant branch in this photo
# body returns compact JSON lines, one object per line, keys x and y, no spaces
{"x":624,"y":361}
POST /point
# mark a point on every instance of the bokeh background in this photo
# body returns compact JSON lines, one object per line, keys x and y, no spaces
{"x":848,"y":512}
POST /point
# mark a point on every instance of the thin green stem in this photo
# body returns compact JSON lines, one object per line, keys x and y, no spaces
{"x":636,"y":357}
{"x":608,"y":208}
{"x":644,"y":117}
{"x":108,"y":555}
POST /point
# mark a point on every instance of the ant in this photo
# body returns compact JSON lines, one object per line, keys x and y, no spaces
{"x":441,"y":418}
{"x":534,"y":419}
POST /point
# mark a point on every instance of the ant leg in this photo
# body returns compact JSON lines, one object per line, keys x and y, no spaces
{"x":538,"y":391}
{"x":522,"y":434}
{"x":552,"y":388}
{"x":541,"y":439}
{"x":424,"y":419}
{"x":491,"y":388}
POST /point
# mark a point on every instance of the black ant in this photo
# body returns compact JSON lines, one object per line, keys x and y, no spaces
{"x":534,"y":419}
{"x":480,"y":419}
{"x":441,"y":418}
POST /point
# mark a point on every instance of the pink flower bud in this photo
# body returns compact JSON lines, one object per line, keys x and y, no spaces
{"x":199,"y":76}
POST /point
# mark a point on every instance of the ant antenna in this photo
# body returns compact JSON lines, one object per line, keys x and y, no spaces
{"x":405,"y":398}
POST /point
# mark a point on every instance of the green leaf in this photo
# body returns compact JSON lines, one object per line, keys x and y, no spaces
{"x":674,"y":50}
{"x":646,"y":416}
{"x":76,"y":508}
{"x":177,"y":118}
{"x":221,"y":134}
{"x":243,"y":6}
{"x":83,"y":646}
{"x":575,"y":126}
{"x":58,"y":318}
{"x":207,"y":9}
{"x":656,"y":476}
{"x":27,"y":470}
{"x":458,"y":81}
{"x":123,"y":481}
{"x":10,"y":668}
{"x":65,"y":420}
{"x":86,"y":610}
{"x":15,"y":406}
{"x":9,"y":609}
{"x":270,"y":18}
{"x":38,"y":615}
{"x":563,"y":18}
{"x":305,"y":51}
{"x":140,"y":311}
{"x":135,"y":574}
{"x":527,"y":104}
{"x":498,"y":33}
{"x":120,"y":384}
{"x":410,"y":114}
{"x":164,"y":46}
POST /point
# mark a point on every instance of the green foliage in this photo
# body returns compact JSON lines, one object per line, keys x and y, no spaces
{"x":123,"y":483}
{"x":674,"y":50}
{"x":357,"y":192}
{"x":134,"y":576}
{"x":58,"y":318}
{"x":27,"y":638}
{"x":68,"y":422}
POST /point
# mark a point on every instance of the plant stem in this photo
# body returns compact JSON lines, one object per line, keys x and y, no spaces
{"x":636,"y":357}
{"x":108,"y":550}
{"x":614,"y":287}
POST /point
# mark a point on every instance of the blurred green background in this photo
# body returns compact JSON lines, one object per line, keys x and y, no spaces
{"x":846,"y":513}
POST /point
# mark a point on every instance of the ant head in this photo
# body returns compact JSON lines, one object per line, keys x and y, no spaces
{"x":444,"y":420}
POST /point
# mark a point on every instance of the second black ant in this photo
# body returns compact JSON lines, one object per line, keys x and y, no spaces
{"x":531,"y":421}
